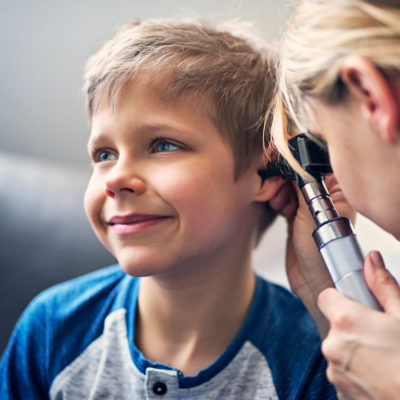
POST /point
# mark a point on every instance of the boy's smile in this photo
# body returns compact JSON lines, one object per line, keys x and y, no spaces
{"x":124,"y":225}
{"x":162,"y":193}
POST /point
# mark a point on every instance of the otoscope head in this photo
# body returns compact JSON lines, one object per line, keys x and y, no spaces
{"x":313,"y":158}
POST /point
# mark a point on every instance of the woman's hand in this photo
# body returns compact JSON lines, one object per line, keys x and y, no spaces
{"x":305,"y":268}
{"x":363,"y":345}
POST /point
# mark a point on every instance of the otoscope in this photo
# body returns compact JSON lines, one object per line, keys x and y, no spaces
{"x":334,"y":235}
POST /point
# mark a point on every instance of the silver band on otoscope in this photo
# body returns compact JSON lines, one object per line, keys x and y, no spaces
{"x":319,"y":202}
{"x":331,"y":231}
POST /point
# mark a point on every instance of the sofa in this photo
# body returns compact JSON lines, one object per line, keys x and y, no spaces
{"x":45,"y":237}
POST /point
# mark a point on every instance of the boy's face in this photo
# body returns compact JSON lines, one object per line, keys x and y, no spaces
{"x":162,"y":193}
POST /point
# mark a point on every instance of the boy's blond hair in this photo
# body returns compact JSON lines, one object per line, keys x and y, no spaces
{"x":319,"y":36}
{"x":228,"y":69}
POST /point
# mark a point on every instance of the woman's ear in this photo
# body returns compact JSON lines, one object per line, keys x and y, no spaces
{"x":379,"y":95}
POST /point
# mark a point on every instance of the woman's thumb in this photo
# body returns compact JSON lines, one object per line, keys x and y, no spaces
{"x":382,"y":283}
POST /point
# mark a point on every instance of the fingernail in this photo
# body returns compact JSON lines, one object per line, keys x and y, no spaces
{"x":377,"y":259}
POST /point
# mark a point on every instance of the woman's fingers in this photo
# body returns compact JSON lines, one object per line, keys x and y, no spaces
{"x":285,"y":201}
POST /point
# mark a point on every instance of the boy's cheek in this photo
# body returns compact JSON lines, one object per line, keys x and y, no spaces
{"x":93,"y":208}
{"x":87,"y":201}
{"x":92,"y":204}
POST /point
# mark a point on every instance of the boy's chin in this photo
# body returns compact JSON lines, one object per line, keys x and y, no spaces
{"x":136,"y":272}
{"x":141,"y":268}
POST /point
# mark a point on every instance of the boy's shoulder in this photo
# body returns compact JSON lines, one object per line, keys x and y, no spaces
{"x":68,"y":317}
{"x":78,"y":291}
{"x":83,"y":302}
{"x":288,"y":339}
{"x":279,"y":311}
{"x":95,"y":293}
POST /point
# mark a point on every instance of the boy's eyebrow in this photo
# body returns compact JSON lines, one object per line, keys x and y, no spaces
{"x":155,"y":128}
{"x":163,"y":127}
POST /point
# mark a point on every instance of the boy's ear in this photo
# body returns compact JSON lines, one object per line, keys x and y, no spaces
{"x":268,"y":187}
{"x":379,"y":96}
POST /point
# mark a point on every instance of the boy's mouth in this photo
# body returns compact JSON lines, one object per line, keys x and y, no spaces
{"x":133,"y":223}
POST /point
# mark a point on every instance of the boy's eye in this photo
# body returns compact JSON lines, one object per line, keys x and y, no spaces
{"x":160,"y":146}
{"x":102,"y":155}
{"x":105,"y":156}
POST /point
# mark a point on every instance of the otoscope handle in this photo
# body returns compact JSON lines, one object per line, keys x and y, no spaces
{"x":342,"y":255}
{"x":334,"y":235}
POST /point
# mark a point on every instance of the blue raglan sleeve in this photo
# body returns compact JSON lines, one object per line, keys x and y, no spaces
{"x":318,"y":387}
{"x":57,"y":326}
{"x":24,"y":364}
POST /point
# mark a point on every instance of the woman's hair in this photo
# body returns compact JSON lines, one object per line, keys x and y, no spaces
{"x":320,"y":34}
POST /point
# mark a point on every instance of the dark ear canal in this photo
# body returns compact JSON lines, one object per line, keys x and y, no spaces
{"x":273,"y":170}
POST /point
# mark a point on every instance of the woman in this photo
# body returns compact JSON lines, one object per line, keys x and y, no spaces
{"x":339,"y":79}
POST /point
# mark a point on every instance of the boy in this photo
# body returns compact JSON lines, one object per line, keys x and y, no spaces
{"x":176,"y":142}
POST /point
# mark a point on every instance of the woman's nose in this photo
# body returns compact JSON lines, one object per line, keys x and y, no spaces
{"x":124,"y":180}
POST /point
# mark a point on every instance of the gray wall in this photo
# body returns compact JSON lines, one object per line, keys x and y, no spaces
{"x":44,"y":45}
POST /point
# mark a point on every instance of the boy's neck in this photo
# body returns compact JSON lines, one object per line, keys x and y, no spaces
{"x":187,"y":323}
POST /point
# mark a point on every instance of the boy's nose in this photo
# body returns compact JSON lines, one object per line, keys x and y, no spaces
{"x":122,"y":181}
